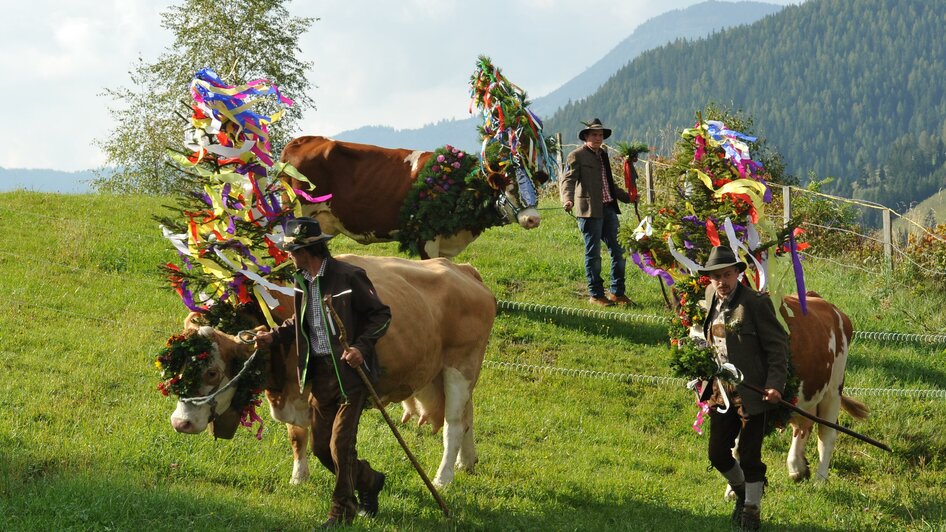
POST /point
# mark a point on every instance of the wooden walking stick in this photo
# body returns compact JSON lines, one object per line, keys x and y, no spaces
{"x":343,"y":340}
{"x":733,"y":374}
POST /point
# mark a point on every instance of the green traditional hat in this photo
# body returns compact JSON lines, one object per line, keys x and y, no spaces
{"x":721,"y":257}
{"x":594,"y":125}
{"x":302,"y":232}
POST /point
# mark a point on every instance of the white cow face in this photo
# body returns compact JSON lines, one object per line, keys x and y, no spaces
{"x":193,"y":418}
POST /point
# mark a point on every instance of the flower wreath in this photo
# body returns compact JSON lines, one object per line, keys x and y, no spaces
{"x":182,"y":363}
{"x":448,"y":196}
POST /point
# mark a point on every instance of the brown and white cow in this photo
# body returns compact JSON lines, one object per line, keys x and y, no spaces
{"x":819,"y":342}
{"x":430,"y":358}
{"x":368,"y":185}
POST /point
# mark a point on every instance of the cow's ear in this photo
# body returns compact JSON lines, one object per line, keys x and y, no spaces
{"x":497,"y":180}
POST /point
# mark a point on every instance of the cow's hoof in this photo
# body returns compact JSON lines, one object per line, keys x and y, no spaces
{"x":442,"y":481}
{"x":800,"y":476}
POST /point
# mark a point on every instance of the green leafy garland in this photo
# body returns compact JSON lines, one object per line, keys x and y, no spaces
{"x":448,"y":196}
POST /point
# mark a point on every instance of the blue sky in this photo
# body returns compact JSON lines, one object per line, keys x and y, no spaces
{"x":398,"y":63}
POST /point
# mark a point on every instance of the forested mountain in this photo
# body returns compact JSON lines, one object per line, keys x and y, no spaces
{"x":693,"y":22}
{"x":846,"y":88}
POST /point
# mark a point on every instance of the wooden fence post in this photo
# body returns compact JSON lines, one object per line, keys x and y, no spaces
{"x":649,"y":182}
{"x":888,"y":240}
{"x":786,"y":204}
{"x":561,"y":154}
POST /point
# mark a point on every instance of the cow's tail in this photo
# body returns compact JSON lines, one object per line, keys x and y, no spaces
{"x":857,"y":409}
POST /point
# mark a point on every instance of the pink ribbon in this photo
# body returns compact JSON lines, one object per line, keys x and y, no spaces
{"x":704,"y":410}
{"x":250,"y":417}
{"x":312,"y":199}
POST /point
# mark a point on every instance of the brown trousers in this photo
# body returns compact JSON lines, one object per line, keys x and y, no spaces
{"x":334,"y":436}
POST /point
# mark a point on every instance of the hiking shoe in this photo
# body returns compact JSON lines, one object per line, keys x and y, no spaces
{"x":368,"y":499}
{"x":600,"y":301}
{"x":621,"y":300}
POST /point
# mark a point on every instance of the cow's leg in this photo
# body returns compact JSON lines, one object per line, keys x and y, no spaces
{"x":299,"y":439}
{"x":467,"y":458}
{"x":457,"y":391}
{"x":796,"y":462}
{"x":431,"y":249}
{"x":828,"y":409}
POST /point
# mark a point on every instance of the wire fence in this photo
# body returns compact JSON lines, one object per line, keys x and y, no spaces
{"x":632,"y":378}
{"x":130,"y":280}
{"x":889,"y":243}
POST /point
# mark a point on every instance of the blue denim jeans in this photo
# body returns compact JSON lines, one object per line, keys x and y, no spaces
{"x":595,"y":231}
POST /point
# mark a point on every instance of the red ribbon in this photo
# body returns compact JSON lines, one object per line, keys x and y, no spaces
{"x":711,"y":232}
{"x":630,"y":180}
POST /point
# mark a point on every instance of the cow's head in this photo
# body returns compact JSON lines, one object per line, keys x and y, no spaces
{"x":198,"y":366}
{"x":518,"y":198}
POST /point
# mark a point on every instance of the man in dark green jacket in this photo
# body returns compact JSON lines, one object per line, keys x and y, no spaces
{"x":338,"y":393}
{"x":742,"y":326}
{"x":587,"y":186}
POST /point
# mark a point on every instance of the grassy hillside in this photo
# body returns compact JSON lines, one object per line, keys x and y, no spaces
{"x":86,"y":443}
{"x":920,"y":214}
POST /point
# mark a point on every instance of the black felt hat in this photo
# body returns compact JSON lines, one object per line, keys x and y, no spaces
{"x":721,"y":257}
{"x":302,"y":232}
{"x":594,"y":125}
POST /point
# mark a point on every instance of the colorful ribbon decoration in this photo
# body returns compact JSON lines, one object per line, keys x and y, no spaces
{"x":231,"y":241}
{"x":508,"y":122}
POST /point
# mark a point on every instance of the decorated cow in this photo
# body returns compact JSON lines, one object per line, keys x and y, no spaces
{"x":430,"y":359}
{"x":376,"y":195}
{"x":819,"y":342}
{"x":433,"y":203}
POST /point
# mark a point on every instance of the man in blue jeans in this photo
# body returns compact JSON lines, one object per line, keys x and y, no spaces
{"x":587,"y":186}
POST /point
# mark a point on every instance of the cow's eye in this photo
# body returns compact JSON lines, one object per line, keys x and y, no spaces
{"x":212,"y":375}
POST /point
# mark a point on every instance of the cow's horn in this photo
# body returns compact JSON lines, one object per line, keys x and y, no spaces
{"x":191,"y":321}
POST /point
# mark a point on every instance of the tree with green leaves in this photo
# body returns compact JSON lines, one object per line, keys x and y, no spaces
{"x":240,"y":39}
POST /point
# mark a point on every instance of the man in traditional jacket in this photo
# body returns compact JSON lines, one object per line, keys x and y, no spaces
{"x":587,"y":186}
{"x":338,"y":394}
{"x":742,"y":327}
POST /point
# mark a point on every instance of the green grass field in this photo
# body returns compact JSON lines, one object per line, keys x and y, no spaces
{"x":85,"y":441}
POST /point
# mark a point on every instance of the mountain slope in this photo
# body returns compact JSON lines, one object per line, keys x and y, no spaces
{"x":835,"y":86}
{"x":45,"y":180}
{"x":693,"y":22}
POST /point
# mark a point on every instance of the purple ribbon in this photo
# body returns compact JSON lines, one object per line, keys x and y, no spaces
{"x":799,"y":274}
{"x":651,"y":270}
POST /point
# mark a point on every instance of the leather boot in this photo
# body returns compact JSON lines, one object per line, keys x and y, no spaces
{"x":368,"y":499}
{"x":751,"y":518}
{"x":338,"y":515}
{"x":740,"y":492}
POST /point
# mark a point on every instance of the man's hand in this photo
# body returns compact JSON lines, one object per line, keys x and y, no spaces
{"x":353,"y":356}
{"x":772,"y":395}
{"x":568,"y":206}
{"x":264,"y":338}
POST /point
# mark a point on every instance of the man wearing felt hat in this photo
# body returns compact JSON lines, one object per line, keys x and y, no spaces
{"x":587,"y":186}
{"x":338,"y":394}
{"x":741,"y":325}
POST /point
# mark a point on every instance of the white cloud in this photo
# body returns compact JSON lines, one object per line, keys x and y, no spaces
{"x":403,"y":63}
